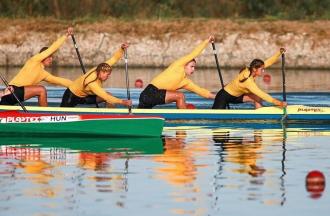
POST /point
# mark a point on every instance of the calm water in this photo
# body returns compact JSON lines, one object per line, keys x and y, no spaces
{"x":200,"y":168}
{"x":209,"y":170}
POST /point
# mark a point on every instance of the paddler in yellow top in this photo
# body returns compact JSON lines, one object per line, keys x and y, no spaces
{"x":163,"y":88}
{"x":87,"y":89}
{"x":244,"y":89}
{"x":25,"y":83}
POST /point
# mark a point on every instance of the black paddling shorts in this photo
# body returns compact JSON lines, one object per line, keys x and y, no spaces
{"x":151,"y":96}
{"x":71,"y":100}
{"x":223,"y":98}
{"x":10,"y":99}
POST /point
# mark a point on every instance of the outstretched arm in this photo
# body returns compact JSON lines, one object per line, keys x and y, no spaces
{"x":57,"y":80}
{"x":118,"y":54}
{"x":196,"y":52}
{"x":97,"y":90}
{"x":253,"y":88}
{"x":274,"y":58}
{"x":55,"y":46}
{"x":190,"y":86}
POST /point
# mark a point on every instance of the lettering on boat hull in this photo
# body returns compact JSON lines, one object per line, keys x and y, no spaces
{"x":39,"y":119}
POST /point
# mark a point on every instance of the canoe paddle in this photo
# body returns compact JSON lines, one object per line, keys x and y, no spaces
{"x":127,"y":81}
{"x":218,"y":67}
{"x":80,"y":61}
{"x":78,"y":54}
{"x":7,"y":85}
{"x":285,"y":115}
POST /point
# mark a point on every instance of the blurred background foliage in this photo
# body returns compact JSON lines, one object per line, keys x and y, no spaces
{"x":166,"y":9}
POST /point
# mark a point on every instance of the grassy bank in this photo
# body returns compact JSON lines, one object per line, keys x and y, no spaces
{"x":151,"y":9}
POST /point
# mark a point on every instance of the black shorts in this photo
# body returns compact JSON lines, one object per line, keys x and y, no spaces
{"x":10,"y":99}
{"x":223,"y":98}
{"x":71,"y":100}
{"x":151,"y":96}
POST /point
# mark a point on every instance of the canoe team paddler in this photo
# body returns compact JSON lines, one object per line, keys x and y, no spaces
{"x":87,"y":89}
{"x":163,"y":88}
{"x":244,"y":89}
{"x":25,"y":83}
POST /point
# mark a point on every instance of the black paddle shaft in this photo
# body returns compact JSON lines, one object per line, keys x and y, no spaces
{"x":127,"y":81}
{"x":78,"y":54}
{"x":7,"y":85}
{"x":217,"y":63}
{"x":218,"y":67}
{"x":283,"y":77}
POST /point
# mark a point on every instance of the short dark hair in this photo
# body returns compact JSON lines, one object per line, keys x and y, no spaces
{"x":103,"y":67}
{"x":43,"y":49}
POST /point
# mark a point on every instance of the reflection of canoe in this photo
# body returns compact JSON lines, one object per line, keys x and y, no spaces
{"x":141,"y":145}
{"x":295,"y":112}
{"x":77,"y":124}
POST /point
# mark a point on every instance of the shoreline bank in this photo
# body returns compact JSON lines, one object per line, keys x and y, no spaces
{"x":159,"y":43}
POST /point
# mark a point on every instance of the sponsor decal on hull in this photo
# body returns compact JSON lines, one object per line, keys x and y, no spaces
{"x":39,"y":119}
{"x":309,"y":109}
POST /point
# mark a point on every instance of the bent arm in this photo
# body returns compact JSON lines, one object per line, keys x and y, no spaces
{"x":55,"y":46}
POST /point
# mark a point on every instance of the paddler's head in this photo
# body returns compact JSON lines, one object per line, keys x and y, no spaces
{"x":103,"y":71}
{"x":189,"y":68}
{"x":257,"y":67}
{"x":48,"y":60}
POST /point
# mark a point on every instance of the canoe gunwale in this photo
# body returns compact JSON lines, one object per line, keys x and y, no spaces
{"x":295,"y":113}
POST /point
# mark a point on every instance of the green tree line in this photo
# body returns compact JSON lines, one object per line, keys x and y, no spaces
{"x":151,"y":9}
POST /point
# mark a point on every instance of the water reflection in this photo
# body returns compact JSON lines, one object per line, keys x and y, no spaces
{"x":85,"y":143}
{"x":241,"y":150}
{"x":178,"y":165}
{"x":39,"y":157}
{"x":283,"y":169}
{"x":242,"y":154}
{"x":179,"y":168}
{"x":192,"y":170}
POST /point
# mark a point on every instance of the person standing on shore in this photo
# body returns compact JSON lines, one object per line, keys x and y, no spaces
{"x":163,"y":89}
{"x":87,"y":89}
{"x":25,"y":83}
{"x":244,"y":89}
